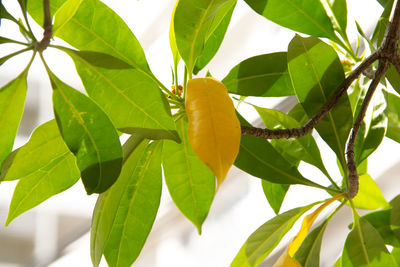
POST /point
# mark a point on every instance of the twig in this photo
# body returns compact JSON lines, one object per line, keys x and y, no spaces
{"x":48,"y":27}
{"x":351,"y":163}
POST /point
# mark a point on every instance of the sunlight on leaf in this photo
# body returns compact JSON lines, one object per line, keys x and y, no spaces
{"x":214,"y":130}
{"x":369,"y":194}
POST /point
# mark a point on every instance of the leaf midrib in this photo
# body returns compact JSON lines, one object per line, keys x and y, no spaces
{"x":257,"y":76}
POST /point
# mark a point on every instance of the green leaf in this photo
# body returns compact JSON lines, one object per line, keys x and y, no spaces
{"x":44,"y":167}
{"x":5,"y":15}
{"x":194,"y":21}
{"x":275,"y":194}
{"x":369,"y":194}
{"x":12,"y":99}
{"x":139,"y":188}
{"x":259,"y":158}
{"x":298,"y":113}
{"x":263,"y":75}
{"x":303,"y":148}
{"x":89,"y":134}
{"x":339,"y":11}
{"x":306,"y":16}
{"x":107,"y":204}
{"x":308,"y":254}
{"x":172,"y":40}
{"x":393,"y":114}
{"x":380,"y":220}
{"x":260,"y":243}
{"x":65,"y":13}
{"x":316,"y":73}
{"x":393,"y":77}
{"x":395,"y":216}
{"x":128,"y":92}
{"x":86,"y":30}
{"x":190,"y":183}
{"x":216,"y":35}
{"x":373,"y":128}
{"x":98,"y":59}
{"x":22,"y":4}
{"x":365,"y":247}
{"x":396,"y":255}
{"x":383,"y":22}
{"x":35,"y":9}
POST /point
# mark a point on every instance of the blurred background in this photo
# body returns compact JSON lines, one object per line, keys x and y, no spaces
{"x":56,"y":232}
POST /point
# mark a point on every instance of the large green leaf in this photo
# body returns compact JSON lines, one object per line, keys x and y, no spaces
{"x":259,"y":158}
{"x":380,"y":220}
{"x":393,"y":114}
{"x":131,"y":99}
{"x":65,"y":13}
{"x":263,"y":75}
{"x":275,"y":194}
{"x":308,"y":254}
{"x":12,"y":99}
{"x":304,"y":148}
{"x":140,"y":189}
{"x":306,"y":16}
{"x":365,"y":247}
{"x":89,"y":134}
{"x":369,"y":195}
{"x":190,"y":182}
{"x":44,"y":167}
{"x":260,"y":243}
{"x":194,"y":21}
{"x":316,"y":73}
{"x":216,"y":35}
{"x":373,"y":128}
{"x":107,"y":204}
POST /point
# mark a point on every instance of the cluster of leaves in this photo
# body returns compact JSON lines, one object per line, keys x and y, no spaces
{"x":195,"y":136}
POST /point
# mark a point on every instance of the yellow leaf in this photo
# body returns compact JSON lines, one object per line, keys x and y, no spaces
{"x":172,"y":40}
{"x":306,"y":225}
{"x":286,"y":261}
{"x":214,"y":130}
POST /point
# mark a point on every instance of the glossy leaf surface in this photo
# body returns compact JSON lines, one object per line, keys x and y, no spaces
{"x":393,"y":114}
{"x":107,"y":204}
{"x":128,"y":92}
{"x":140,"y":191}
{"x":263,"y":75}
{"x":90,"y":135}
{"x":65,"y":13}
{"x":369,"y":194}
{"x":194,"y":20}
{"x":260,"y":243}
{"x":214,"y":130}
{"x":190,"y":183}
{"x":215,"y":35}
{"x":44,"y":167}
{"x":365,"y":247}
{"x":316,"y":72}
{"x":306,"y":16}
{"x":304,"y":148}
{"x":275,"y":194}
{"x":12,"y":100}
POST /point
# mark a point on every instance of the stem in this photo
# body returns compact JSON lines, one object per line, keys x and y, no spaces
{"x":29,"y":31}
{"x":48,"y":27}
{"x":185,"y":80}
{"x":7,"y":57}
{"x":176,"y":79}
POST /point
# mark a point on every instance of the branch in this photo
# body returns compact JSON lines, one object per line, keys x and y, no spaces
{"x":48,"y":27}
{"x":304,"y":130}
{"x":351,"y":163}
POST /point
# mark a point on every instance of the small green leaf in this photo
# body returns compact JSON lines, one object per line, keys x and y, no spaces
{"x":98,"y":59}
{"x":190,"y":182}
{"x":260,"y":243}
{"x":365,"y":247}
{"x":194,"y":21}
{"x":139,"y":188}
{"x":44,"y":167}
{"x":393,"y":114}
{"x":308,"y":254}
{"x":216,"y":35}
{"x":304,"y":148}
{"x":89,"y":134}
{"x":308,"y":17}
{"x":380,"y":220}
{"x":132,"y":93}
{"x":263,"y":75}
{"x":12,"y":99}
{"x":107,"y":204}
{"x":259,"y":158}
{"x":275,"y":194}
{"x":369,"y":194}
{"x":316,"y":73}
{"x":65,"y":13}
{"x":395,"y":216}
